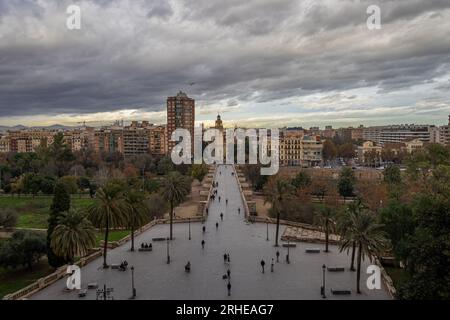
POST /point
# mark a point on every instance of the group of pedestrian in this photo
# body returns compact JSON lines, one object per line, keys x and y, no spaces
{"x":227,"y":276}
{"x":272,"y":264}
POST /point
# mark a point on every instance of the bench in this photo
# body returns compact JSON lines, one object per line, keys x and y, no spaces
{"x":312,"y":250}
{"x":336,"y":269}
{"x":115,"y":266}
{"x":93,"y":285}
{"x":145,"y":249}
{"x":82,"y":293}
{"x":290,"y":245}
{"x":340,"y":292}
{"x":159,"y":239}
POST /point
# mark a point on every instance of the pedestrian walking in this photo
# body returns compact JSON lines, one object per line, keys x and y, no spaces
{"x":229,"y":288}
{"x":204,"y":229}
{"x":278,"y":256}
{"x":217,"y":225}
{"x":225,"y":258}
{"x":228,"y":258}
{"x":271,"y":266}
{"x":229,"y":274}
{"x":263,"y":263}
{"x":239,"y":210}
{"x":219,"y":198}
{"x":203,"y":244}
{"x":226,"y":201}
{"x":221,"y":216}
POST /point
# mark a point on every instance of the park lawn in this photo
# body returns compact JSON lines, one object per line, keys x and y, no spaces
{"x":34,"y":212}
{"x":13,"y":280}
{"x":114,"y":235}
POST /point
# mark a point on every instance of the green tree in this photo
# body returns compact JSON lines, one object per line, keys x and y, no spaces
{"x":73,"y":236}
{"x":61,"y":154}
{"x":32,"y":183}
{"x":325,"y":218}
{"x":428,"y":256}
{"x":368,"y":236}
{"x":346,"y":182}
{"x":330,"y":150}
{"x":24,"y":248}
{"x":8,"y":218}
{"x":392,"y":175}
{"x":199,"y":171}
{"x":60,"y":204}
{"x":344,"y":225}
{"x":137,"y":211}
{"x":399,"y":225}
{"x":301,"y":180}
{"x":108,"y":211}
{"x":174,"y":188}
{"x":277,"y":189}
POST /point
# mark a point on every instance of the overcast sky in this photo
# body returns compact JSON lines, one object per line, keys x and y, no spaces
{"x":257,"y":62}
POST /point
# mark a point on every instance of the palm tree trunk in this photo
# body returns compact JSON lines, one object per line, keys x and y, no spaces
{"x":278,"y":228}
{"x":352,"y":265}
{"x":171,"y":219}
{"x":132,"y":236}
{"x":326,"y":236}
{"x":105,"y":245}
{"x":358,"y":274}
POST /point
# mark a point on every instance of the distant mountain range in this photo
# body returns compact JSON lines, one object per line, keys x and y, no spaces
{"x":21,"y":127}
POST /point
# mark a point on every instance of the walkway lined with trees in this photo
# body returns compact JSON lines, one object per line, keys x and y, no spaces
{"x":247,"y":246}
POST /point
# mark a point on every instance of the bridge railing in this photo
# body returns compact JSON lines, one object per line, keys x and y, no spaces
{"x":241,"y":191}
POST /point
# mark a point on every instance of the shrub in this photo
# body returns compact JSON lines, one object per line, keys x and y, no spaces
{"x":8,"y":218}
{"x":25,"y":249}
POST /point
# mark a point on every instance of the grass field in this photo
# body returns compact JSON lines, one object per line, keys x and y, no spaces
{"x":13,"y":280}
{"x":33,"y":212}
{"x":114,"y":235}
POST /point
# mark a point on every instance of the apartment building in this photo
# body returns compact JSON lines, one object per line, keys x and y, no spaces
{"x":413,"y":145}
{"x":444,"y":134}
{"x":4,"y":144}
{"x":297,"y":149}
{"x":24,"y":141}
{"x":180,"y":115}
{"x":369,"y":150}
{"x":158,"y":140}
{"x":397,"y":133}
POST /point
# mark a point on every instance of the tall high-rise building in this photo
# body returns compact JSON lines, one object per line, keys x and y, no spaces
{"x":180,"y":115}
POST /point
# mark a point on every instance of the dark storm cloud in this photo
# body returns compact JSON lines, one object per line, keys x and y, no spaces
{"x":234,"y":51}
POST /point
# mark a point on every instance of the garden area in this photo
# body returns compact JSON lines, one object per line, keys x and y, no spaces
{"x":32,"y":212}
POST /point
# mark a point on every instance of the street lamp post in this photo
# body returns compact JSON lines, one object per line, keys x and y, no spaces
{"x":287,"y":256}
{"x":322,"y":289}
{"x":189,"y":228}
{"x":133,"y":289}
{"x":168,"y":255}
{"x":267,"y":231}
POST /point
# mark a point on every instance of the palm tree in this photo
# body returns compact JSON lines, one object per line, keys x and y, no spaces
{"x":325,"y":219}
{"x":137,"y":211}
{"x":344,"y":225}
{"x":368,"y":237}
{"x":174,"y":188}
{"x":73,"y":236}
{"x":108,"y":211}
{"x":277,"y":190}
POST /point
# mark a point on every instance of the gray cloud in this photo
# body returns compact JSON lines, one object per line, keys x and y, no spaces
{"x":133,"y":54}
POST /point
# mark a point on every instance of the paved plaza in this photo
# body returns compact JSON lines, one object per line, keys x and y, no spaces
{"x":247,"y":245}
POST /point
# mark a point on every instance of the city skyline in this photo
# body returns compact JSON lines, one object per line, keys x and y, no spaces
{"x":304,"y":64}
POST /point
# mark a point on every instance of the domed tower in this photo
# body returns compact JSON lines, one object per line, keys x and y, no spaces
{"x":219,"y":124}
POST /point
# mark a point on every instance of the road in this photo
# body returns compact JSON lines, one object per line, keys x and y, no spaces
{"x":246,"y":243}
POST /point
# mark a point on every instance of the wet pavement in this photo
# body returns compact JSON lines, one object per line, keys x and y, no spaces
{"x":247,"y":246}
